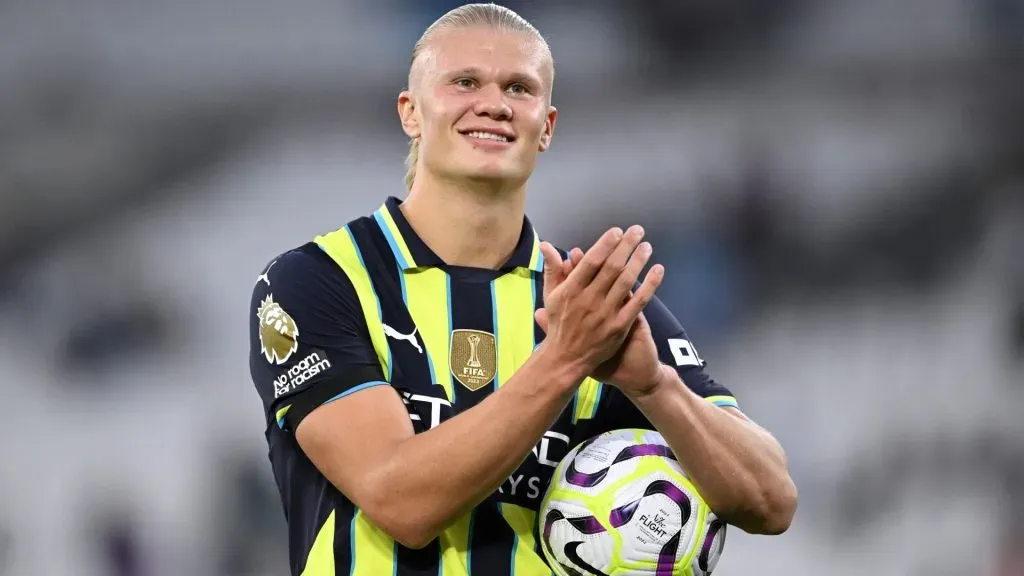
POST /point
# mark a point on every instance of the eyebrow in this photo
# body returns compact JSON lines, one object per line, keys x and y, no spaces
{"x":515,"y":76}
{"x":470,"y":71}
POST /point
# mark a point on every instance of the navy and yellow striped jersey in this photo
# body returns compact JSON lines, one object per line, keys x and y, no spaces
{"x":371,"y":305}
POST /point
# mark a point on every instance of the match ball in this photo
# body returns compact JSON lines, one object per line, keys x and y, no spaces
{"x":620,"y":504}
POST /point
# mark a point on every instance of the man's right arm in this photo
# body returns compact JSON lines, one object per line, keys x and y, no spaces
{"x":412,"y":486}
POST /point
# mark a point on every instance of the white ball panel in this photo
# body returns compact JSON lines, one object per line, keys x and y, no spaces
{"x":600,"y":454}
{"x":589,"y":467}
{"x":565,"y":538}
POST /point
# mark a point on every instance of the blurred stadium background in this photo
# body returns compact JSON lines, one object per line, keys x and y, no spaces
{"x":835,"y":188}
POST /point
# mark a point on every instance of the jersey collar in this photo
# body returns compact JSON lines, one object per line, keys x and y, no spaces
{"x":411,"y":252}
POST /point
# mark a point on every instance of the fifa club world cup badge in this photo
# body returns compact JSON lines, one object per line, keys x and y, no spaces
{"x":473,"y":358}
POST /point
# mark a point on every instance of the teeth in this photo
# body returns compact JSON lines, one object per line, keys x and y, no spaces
{"x":488,"y":136}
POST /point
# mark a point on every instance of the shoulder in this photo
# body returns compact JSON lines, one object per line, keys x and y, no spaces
{"x":301,"y":260}
{"x":307,"y":281}
{"x":303,"y":267}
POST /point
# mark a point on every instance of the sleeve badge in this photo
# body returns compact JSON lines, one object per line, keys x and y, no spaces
{"x":278,"y":332}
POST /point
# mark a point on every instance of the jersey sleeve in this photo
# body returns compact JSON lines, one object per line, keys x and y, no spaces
{"x":308,"y":340}
{"x":615,"y":410}
{"x":677,"y":350}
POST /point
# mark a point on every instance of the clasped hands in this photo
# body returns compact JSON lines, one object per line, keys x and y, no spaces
{"x":594,"y":316}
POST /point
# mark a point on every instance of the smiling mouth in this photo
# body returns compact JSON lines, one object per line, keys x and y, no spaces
{"x":488,"y":136}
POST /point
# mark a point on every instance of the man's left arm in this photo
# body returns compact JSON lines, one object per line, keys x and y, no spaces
{"x":738,"y":466}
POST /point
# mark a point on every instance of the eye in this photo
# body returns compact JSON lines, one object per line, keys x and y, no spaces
{"x":518,"y":88}
{"x":465,"y":83}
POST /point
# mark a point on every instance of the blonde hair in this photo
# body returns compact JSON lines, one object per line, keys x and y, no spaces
{"x":489,"y":15}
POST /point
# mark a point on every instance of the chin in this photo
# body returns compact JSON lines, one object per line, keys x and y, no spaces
{"x":493,"y":174}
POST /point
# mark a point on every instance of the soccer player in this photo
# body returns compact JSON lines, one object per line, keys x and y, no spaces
{"x":424,"y":368}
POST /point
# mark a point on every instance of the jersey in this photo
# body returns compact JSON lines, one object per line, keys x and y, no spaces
{"x":371,"y":305}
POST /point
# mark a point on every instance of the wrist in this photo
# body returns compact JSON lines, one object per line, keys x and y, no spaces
{"x":659,"y":383}
{"x":563,"y":372}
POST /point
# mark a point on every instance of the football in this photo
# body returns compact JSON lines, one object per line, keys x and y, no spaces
{"x":621,"y":504}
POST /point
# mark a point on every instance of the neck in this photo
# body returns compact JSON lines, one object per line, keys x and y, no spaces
{"x":466,"y":225}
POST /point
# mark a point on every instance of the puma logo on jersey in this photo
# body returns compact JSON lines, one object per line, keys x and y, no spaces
{"x":265,"y":277}
{"x":410,"y":338}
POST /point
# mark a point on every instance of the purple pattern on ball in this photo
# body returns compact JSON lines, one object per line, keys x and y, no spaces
{"x":623,"y":514}
{"x":667,"y":557}
{"x":552,"y":517}
{"x":585,"y":480}
{"x":587,"y":525}
{"x":577,"y":478}
{"x":674,"y":494}
{"x":709,"y":547}
{"x":644,"y":450}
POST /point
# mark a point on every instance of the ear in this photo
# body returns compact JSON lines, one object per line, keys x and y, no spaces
{"x":549,"y":129}
{"x":407,"y":113}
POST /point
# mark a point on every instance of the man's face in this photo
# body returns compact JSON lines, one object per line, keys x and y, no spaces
{"x":479,"y":101}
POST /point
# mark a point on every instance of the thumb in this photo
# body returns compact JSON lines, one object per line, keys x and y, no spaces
{"x":541,"y":316}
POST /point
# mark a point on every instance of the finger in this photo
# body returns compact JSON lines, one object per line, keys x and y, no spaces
{"x":553,"y":266}
{"x":624,"y":284}
{"x":575,"y":255}
{"x":591,"y":263}
{"x":541,"y":316}
{"x":643,"y":295}
{"x":616,"y":262}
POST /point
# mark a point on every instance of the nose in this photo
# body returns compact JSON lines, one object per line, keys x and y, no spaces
{"x":491,"y":103}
